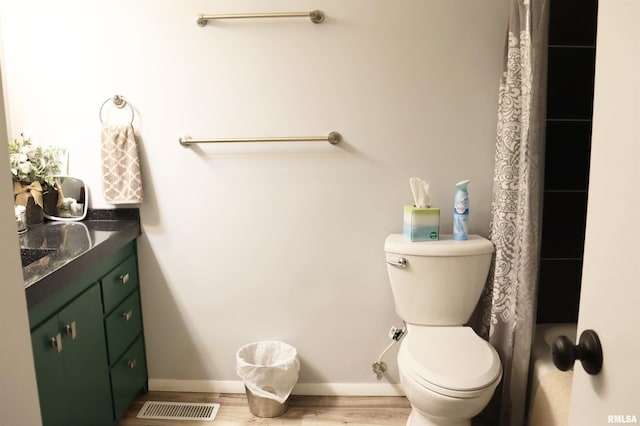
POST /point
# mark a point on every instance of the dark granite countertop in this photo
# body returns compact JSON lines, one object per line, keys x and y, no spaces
{"x":71,"y":248}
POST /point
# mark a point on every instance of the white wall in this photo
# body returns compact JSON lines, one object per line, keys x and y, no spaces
{"x":272,"y":241}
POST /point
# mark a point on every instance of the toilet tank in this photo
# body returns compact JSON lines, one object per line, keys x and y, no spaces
{"x":441,"y":281}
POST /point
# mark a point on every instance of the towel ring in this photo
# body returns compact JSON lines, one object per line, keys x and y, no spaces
{"x":118,"y":102}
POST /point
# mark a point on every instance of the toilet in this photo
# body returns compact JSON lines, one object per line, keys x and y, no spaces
{"x":447,"y":372}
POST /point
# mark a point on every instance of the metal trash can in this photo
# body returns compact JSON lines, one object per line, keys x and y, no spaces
{"x":269,"y":370}
{"x":265,"y":407}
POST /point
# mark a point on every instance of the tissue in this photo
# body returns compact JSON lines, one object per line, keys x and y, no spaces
{"x":421,"y":222}
{"x":420,"y":191}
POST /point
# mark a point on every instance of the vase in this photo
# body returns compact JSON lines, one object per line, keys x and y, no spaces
{"x":34,"y":212}
{"x":50,"y":196}
{"x":24,"y":194}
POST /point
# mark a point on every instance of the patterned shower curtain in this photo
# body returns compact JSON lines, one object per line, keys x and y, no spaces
{"x":508,"y":304}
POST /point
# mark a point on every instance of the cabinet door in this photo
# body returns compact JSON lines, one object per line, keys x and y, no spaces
{"x":123,"y":325}
{"x":48,"y":353}
{"x":71,"y":366}
{"x":88,"y":387}
{"x":128,"y":376}
{"x":119,"y":282}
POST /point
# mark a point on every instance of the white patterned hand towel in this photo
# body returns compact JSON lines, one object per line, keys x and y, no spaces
{"x":121,"y":179}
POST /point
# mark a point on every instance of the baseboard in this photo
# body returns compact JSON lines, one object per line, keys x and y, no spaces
{"x":236,"y":386}
{"x":349,"y":389}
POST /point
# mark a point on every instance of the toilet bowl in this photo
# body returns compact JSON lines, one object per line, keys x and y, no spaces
{"x":447,"y":372}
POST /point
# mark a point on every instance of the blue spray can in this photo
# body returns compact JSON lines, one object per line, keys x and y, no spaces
{"x":461,"y":211}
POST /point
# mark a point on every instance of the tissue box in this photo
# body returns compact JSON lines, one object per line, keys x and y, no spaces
{"x":421,"y":224}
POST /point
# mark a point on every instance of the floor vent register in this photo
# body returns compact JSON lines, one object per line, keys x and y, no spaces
{"x":161,"y":410}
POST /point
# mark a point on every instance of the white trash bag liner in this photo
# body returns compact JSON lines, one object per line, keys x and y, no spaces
{"x":269,"y":369}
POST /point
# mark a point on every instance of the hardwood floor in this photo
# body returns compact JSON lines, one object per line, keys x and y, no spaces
{"x":303,"y":410}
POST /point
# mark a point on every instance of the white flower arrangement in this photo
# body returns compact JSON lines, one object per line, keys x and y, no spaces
{"x":31,"y":162}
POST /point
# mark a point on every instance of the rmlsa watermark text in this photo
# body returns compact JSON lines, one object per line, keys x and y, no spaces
{"x":622,"y":418}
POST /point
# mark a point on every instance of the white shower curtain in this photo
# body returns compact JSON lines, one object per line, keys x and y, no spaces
{"x":508,"y":304}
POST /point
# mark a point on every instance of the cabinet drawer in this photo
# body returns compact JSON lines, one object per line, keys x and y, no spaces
{"x":128,"y":377}
{"x":123,"y":325}
{"x":119,"y":282}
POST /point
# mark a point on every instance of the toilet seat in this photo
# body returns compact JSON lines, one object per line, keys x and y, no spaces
{"x":452,"y":361}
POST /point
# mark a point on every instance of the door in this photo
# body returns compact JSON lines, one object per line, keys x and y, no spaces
{"x":610,"y":295}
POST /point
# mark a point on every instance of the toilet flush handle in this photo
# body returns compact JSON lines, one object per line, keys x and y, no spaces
{"x":400,"y":263}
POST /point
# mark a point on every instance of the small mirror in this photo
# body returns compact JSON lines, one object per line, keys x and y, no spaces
{"x":67,"y":200}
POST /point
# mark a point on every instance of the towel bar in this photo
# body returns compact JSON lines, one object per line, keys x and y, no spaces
{"x":333,"y":138}
{"x":316,"y":16}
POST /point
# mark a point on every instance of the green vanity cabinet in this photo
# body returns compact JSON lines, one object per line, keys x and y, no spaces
{"x":71,"y":364}
{"x":88,"y":345}
{"x":123,"y":325}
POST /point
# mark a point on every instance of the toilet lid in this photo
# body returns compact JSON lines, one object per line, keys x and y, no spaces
{"x":451,"y":357}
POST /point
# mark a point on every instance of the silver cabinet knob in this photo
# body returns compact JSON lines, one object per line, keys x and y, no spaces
{"x":70,"y":329}
{"x":56,"y":342}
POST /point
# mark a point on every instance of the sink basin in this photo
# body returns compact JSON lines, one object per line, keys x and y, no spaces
{"x":30,"y":255}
